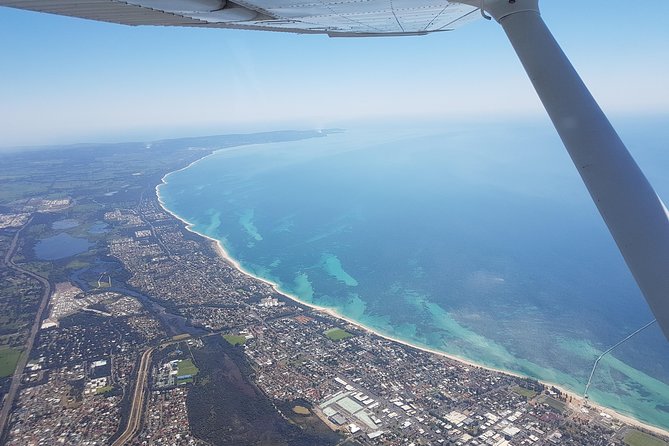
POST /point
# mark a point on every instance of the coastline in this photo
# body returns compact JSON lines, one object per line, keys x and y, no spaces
{"x":577,"y":403}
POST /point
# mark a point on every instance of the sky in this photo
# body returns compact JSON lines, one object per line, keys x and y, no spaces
{"x":67,"y":80}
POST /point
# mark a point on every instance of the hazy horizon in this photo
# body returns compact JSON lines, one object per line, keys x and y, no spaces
{"x":67,"y":80}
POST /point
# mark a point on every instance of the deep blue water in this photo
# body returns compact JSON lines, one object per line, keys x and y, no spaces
{"x":477,"y":240}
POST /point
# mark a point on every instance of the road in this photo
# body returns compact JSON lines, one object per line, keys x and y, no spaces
{"x":23,"y":360}
{"x":137,"y":404}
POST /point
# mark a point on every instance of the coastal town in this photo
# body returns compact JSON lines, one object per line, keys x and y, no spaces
{"x":167,"y":342}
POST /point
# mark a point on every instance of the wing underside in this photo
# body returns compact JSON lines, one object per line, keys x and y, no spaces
{"x":333,"y":17}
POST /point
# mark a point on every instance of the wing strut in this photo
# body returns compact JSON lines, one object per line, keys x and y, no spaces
{"x":634,"y":214}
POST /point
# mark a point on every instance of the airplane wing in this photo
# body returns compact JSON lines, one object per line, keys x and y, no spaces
{"x":333,"y":17}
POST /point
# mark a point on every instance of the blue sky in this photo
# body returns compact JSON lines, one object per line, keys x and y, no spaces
{"x":70,"y":80}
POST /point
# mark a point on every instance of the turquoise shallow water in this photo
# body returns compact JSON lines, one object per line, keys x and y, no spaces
{"x":483,"y":244}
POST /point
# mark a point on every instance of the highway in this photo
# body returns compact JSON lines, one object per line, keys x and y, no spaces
{"x":137,"y":404}
{"x":23,"y":360}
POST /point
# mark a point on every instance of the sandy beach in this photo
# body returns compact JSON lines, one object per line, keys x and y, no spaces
{"x":577,"y":401}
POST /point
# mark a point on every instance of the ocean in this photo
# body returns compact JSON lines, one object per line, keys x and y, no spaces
{"x":475,"y":239}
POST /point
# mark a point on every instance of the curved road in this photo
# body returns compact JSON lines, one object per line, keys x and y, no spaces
{"x":23,"y":360}
{"x":137,"y":405}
